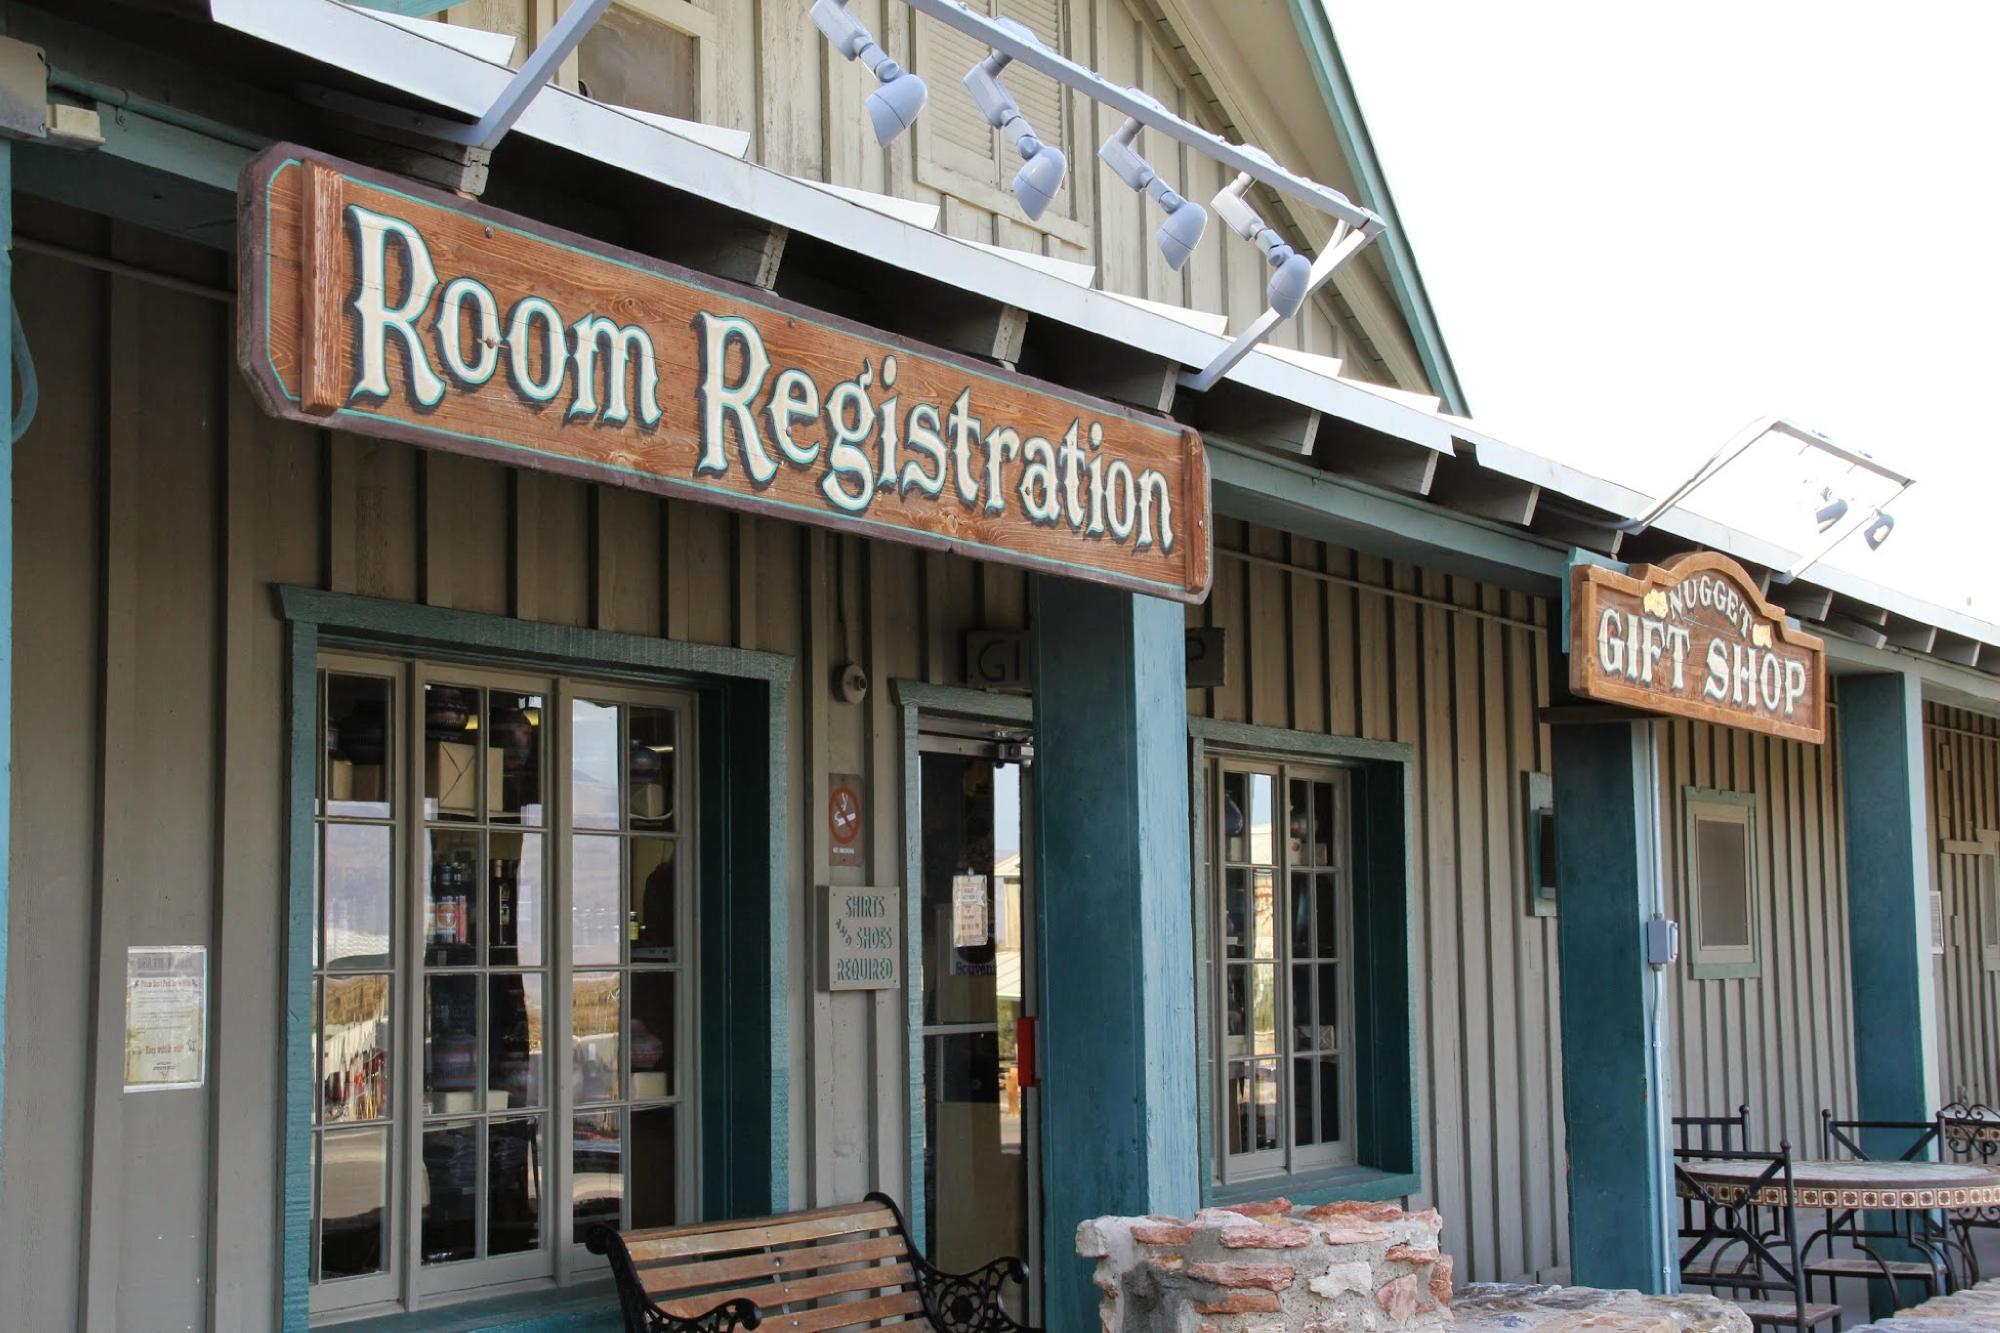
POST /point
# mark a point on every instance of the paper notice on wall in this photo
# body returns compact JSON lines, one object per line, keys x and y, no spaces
{"x":166,"y":1017}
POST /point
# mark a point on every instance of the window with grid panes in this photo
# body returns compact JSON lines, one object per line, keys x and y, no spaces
{"x":502,"y":1034}
{"x":1282,"y":927}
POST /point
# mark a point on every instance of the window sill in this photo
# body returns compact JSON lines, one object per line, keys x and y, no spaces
{"x":1359,"y":1184}
{"x":585,"y":1309}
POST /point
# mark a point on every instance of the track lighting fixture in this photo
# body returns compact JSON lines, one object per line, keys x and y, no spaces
{"x":1830,"y":512}
{"x":893,"y":106}
{"x":1041,"y":175}
{"x":1878,"y":531}
{"x":1186,"y":220}
{"x":1291,"y":272}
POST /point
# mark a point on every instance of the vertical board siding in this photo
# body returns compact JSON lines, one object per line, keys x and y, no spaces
{"x":1780,"y":1042}
{"x":1962,"y":759}
{"x":1325,"y":639}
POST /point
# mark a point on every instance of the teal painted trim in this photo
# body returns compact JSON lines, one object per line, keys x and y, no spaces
{"x":1880,"y":730}
{"x":1299,"y":498}
{"x":747,"y":1169}
{"x":1116,"y":938}
{"x":409,"y":9}
{"x":114,"y":98}
{"x":585,"y":1309}
{"x":1315,"y":31}
{"x":957,"y":701}
{"x":916,"y":698}
{"x":1387,"y":1127}
{"x":7,"y":356}
{"x":1202,"y":911}
{"x":1614,"y":1097}
{"x":1355,"y":1184}
{"x":178,"y":151}
{"x":301,"y":784}
{"x":594,"y":651}
{"x":1692,"y":799}
{"x":1300,"y":744}
{"x":1579,"y":556}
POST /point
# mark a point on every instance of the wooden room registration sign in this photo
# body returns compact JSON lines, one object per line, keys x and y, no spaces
{"x":377,"y":306}
{"x":1695,"y":638}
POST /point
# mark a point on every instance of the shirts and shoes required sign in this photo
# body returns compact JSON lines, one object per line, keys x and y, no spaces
{"x":1695,"y":638}
{"x":371,"y":304}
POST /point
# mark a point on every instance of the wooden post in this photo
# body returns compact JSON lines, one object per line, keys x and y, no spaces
{"x":1119,"y":1128}
{"x":320,"y":343}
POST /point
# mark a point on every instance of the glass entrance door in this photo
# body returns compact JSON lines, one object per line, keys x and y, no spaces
{"x":981,"y":1165}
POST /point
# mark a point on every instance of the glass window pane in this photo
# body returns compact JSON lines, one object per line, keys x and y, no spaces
{"x":1302,"y":1008}
{"x":452,"y":878}
{"x":1722,"y":848}
{"x":1236,"y":1017}
{"x":654,"y":902}
{"x":597,"y":1171}
{"x":513,"y":1186}
{"x":1266,"y":1097}
{"x":596,"y":913}
{"x":453,"y":753}
{"x":652,"y":1036}
{"x":1303,"y":1123}
{"x":354,"y":1049}
{"x":1235,"y":820}
{"x":1329,"y":1101}
{"x":451,"y":1045}
{"x":313,"y":1051}
{"x":1327,"y":912}
{"x":514,"y":750}
{"x":1329,"y":1006}
{"x":1263,"y":914}
{"x":515,"y":1077}
{"x":596,"y":1055}
{"x":1264,"y":1008}
{"x":354,"y":1188}
{"x":1298,"y":820}
{"x":1324,"y":825}
{"x":654,"y":1168}
{"x":1263,"y":845}
{"x":451,"y":1192}
{"x":593,"y":765}
{"x":1302,"y":924}
{"x":628,"y":59}
{"x":1239,"y":1108}
{"x":514,"y":897}
{"x":1236,"y":913}
{"x":356,"y":777}
{"x":650,"y":762}
{"x":359,"y":873}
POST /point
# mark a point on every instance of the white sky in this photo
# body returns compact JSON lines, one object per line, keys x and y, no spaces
{"x":1643,"y":226}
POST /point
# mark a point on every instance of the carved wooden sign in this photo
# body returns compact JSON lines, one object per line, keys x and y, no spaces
{"x":1694,"y":638}
{"x":374,"y":305}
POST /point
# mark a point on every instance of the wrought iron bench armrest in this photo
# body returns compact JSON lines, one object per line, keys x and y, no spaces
{"x":643,"y":1316}
{"x":970,"y":1302}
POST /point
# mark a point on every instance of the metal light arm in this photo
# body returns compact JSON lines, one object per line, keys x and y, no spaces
{"x":1235,"y":211}
{"x":1002,"y":112}
{"x":853,"y":40}
{"x":1123,"y":158}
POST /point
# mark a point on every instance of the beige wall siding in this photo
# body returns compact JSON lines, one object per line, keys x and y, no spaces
{"x":1962,"y":752}
{"x":1324,"y":639}
{"x":157,"y":509}
{"x":1781,"y":1042}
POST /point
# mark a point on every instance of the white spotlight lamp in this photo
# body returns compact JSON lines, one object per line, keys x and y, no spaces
{"x":1186,"y":220}
{"x":1878,"y":531}
{"x":1291,"y":272}
{"x":892,"y":107}
{"x":1041,"y":175}
{"x":1831,"y":512}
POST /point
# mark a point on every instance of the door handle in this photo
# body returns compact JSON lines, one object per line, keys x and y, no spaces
{"x":1026,"y":1070}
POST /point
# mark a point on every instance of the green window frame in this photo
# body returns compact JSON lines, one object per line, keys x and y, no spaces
{"x":1719,"y":875}
{"x":1378,"y":1154}
{"x":741,"y":1060}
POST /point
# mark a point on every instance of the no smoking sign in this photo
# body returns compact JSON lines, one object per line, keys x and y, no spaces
{"x":845,"y":840}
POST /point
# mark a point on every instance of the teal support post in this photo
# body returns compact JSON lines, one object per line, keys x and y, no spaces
{"x":7,"y":415}
{"x":1119,"y":1131}
{"x":1615,"y":1095}
{"x":1880,"y":729}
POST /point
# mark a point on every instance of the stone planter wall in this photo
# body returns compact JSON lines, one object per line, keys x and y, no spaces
{"x":1264,"y":1267}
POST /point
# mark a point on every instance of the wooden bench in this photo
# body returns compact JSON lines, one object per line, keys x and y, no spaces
{"x":827,"y":1268}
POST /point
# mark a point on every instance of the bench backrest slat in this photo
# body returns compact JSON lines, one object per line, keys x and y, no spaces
{"x":663,"y":1279}
{"x":793,"y":1291}
{"x":683,"y":1243}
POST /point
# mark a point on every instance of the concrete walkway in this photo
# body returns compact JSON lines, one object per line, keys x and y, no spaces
{"x":1973,"y":1310}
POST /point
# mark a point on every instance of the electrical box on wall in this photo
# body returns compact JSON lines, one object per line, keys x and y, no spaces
{"x":1663,"y":942}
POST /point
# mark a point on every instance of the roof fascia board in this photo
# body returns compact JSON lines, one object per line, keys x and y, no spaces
{"x":1943,"y":682}
{"x":1337,"y":91}
{"x":1296,"y":498}
{"x":358,"y":42}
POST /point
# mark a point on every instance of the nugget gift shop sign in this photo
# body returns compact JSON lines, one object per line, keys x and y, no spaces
{"x":377,"y":306}
{"x":1695,"y":638}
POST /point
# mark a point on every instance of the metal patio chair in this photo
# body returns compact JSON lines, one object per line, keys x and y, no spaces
{"x":1744,"y":1232}
{"x":1908,"y":1141}
{"x":1969,"y":1132}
